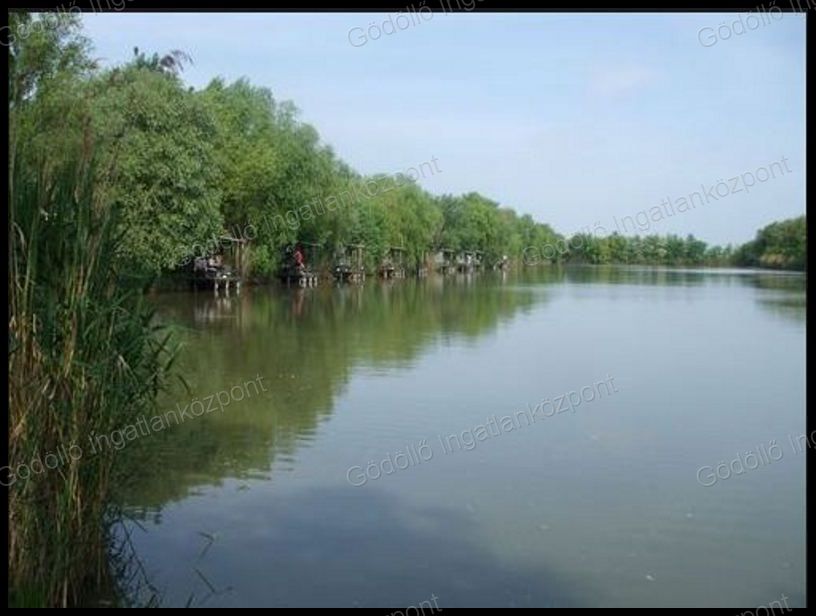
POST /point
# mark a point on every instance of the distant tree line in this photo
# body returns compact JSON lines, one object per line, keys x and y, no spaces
{"x":781,"y":245}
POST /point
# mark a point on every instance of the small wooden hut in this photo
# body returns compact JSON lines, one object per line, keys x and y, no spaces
{"x":444,"y":261}
{"x":348,"y":263}
{"x":466,"y":261}
{"x":223,"y":268}
{"x":393,"y":263}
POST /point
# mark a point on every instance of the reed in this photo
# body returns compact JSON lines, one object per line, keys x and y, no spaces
{"x":84,"y":358}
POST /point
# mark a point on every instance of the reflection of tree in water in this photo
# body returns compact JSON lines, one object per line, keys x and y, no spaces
{"x":635,"y":275}
{"x":791,"y":307}
{"x":784,"y":296}
{"x":782,"y":282}
{"x":305,"y":343}
{"x":780,"y":293}
{"x":666,"y":276}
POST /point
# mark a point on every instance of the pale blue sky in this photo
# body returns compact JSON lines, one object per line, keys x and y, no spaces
{"x":573,"y":118}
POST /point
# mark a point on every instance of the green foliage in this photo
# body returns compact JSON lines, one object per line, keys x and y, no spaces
{"x":159,"y":139}
{"x":43,"y":49}
{"x":781,"y":245}
{"x":48,"y":66}
{"x":271,"y":169}
{"x":127,"y":170}
{"x":84,"y":358}
{"x":670,"y":250}
{"x":230,"y":159}
{"x":473,"y":222}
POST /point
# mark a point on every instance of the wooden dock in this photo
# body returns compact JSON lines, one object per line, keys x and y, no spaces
{"x":302,"y":276}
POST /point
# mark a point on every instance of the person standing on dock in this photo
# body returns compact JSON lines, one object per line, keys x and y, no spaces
{"x":299,"y":260}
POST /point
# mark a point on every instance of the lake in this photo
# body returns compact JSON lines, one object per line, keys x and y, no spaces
{"x":580,"y":436}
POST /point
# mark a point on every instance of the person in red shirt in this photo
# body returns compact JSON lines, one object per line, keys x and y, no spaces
{"x":299,"y":260}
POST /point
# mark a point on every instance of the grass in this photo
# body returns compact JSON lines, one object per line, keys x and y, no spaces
{"x":83,"y":359}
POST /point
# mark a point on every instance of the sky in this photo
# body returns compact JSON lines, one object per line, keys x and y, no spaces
{"x":577,"y":119}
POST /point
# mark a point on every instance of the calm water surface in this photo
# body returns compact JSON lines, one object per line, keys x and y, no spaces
{"x":599,"y":506}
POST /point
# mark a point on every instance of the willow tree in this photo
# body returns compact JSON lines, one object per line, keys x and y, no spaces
{"x":274,"y":170}
{"x":159,"y":137}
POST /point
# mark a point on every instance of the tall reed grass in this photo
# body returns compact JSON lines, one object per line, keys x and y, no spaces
{"x":84,"y":358}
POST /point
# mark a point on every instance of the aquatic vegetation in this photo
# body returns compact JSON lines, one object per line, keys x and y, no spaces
{"x":84,"y":358}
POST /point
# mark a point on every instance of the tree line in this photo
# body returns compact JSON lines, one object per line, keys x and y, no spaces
{"x":186,"y":167}
{"x":780,"y":245}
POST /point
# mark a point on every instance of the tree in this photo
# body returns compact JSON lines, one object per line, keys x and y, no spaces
{"x":158,"y":138}
{"x":171,"y":63}
{"x":781,"y":244}
{"x":48,"y":59}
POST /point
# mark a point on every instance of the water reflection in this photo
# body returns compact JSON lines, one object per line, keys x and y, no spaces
{"x":596,"y":508}
{"x":641,"y":275}
{"x":305,"y":343}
